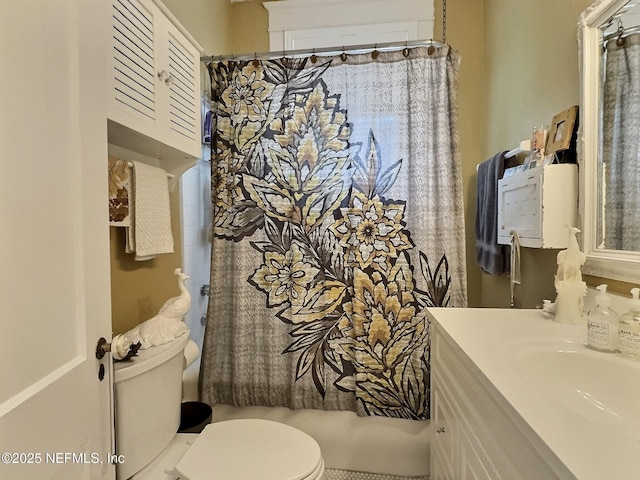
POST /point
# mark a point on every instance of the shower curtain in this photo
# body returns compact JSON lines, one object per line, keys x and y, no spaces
{"x":338,"y":218}
{"x":620,"y":165}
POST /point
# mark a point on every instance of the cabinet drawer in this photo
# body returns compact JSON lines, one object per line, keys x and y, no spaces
{"x":476,"y":465}
{"x":440,"y":468}
{"x":444,"y":422}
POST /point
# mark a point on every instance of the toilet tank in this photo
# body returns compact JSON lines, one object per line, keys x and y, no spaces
{"x":148,"y":394}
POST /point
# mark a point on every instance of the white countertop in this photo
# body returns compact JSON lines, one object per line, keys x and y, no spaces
{"x":492,"y":340}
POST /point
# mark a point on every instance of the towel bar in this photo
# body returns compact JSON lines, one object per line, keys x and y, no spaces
{"x":525,"y":146}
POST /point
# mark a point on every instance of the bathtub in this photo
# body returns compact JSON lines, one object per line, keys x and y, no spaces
{"x":378,"y":445}
{"x":385,"y":446}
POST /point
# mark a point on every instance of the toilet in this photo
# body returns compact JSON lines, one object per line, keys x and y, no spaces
{"x":148,"y":396}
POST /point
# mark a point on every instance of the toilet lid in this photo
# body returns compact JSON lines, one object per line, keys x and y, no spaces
{"x":251,"y":449}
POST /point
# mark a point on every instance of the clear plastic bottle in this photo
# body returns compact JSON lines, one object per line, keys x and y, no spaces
{"x":629,"y":337}
{"x":602,"y":324}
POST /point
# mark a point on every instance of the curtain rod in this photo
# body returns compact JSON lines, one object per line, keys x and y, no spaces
{"x":380,"y":47}
{"x":621,"y":33}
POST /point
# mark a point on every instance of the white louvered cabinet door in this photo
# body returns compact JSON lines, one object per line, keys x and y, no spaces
{"x":181,"y":83}
{"x":154,"y":97}
{"x":133,"y":100}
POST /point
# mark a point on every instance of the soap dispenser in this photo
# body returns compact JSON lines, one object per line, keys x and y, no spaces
{"x":602,"y":324}
{"x":629,"y":340}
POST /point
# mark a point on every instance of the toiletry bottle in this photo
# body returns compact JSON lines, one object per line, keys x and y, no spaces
{"x":602,"y":324}
{"x":629,"y":339}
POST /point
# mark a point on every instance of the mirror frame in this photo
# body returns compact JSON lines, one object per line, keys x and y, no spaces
{"x":612,"y":264}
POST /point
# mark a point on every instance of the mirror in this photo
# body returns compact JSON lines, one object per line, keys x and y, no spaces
{"x":609,"y":139}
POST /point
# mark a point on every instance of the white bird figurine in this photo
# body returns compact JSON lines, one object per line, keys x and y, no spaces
{"x":570,"y":260}
{"x":177,"y":307}
{"x":162,"y":328}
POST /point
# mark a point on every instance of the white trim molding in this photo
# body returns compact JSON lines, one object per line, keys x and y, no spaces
{"x":296,"y":24}
{"x":614,"y":264}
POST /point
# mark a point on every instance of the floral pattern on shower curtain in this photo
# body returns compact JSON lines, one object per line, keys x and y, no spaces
{"x":338,"y":219}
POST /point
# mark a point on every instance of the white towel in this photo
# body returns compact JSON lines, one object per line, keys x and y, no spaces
{"x":150,"y":233}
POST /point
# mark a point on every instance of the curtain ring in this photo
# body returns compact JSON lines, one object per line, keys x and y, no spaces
{"x":405,"y":50}
{"x":256,"y":62}
{"x":375,"y":52}
{"x":431,"y":49}
{"x":343,"y":55}
{"x":314,"y":59}
{"x":620,"y":41}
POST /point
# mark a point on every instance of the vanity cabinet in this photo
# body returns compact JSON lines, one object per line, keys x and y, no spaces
{"x":538,"y":204}
{"x":478,"y":435}
{"x":154,"y":105}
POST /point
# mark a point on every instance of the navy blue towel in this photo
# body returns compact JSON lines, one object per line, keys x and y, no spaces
{"x":491,"y":257}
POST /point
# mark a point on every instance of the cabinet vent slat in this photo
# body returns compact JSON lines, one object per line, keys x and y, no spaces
{"x":132,"y":68}
{"x":183,"y":104}
{"x":133,"y":9}
{"x":126,"y":101}
{"x":183,"y":113}
{"x":133,"y":58}
{"x":183,"y":96}
{"x":184,"y":79}
{"x":180,"y":129}
{"x":181,"y":125}
{"x":127,"y":30}
{"x":135,"y":95}
{"x":123,"y":43}
{"x":181,"y":62}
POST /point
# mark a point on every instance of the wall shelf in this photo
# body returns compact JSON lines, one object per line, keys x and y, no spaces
{"x":539,"y":204}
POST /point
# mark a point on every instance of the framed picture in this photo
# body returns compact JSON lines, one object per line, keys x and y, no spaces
{"x":561,"y":131}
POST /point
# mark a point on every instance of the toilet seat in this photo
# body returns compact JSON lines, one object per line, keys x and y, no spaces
{"x":251,"y":449}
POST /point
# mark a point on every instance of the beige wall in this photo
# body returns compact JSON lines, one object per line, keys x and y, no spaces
{"x":531,"y":73}
{"x":465,"y":31}
{"x":519,"y":68}
{"x":208,"y":21}
{"x":138,"y":289}
{"x":249,"y":28}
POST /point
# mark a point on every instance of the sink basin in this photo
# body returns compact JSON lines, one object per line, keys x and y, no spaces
{"x":601,"y":387}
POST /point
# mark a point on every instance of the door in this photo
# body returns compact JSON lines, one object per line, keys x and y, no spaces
{"x":55,"y":414}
